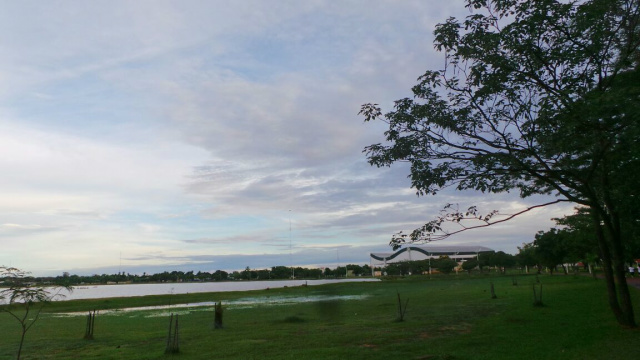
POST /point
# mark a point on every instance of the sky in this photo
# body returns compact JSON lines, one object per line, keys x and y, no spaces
{"x":150,"y":136}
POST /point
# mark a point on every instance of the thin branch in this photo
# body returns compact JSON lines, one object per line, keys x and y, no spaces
{"x":428,"y":232}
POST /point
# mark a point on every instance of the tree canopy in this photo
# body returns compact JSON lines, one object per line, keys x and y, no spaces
{"x":539,"y":97}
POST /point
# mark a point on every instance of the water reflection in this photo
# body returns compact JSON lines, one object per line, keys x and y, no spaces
{"x":241,"y":303}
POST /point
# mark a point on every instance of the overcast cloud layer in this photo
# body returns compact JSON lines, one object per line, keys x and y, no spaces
{"x":201,"y":135}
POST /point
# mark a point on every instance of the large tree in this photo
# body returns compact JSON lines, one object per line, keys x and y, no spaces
{"x":551,"y":248}
{"x":539,"y":97}
{"x":581,"y":242}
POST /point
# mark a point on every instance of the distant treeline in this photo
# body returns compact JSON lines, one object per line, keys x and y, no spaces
{"x":275,"y":273}
{"x":494,"y":260}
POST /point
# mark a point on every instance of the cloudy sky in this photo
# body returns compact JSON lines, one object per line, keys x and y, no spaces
{"x":203,"y":135}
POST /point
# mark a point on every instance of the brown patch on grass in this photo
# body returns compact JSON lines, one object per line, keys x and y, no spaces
{"x":255,"y":341}
{"x":462,"y":328}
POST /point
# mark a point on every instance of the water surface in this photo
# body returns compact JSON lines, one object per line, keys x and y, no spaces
{"x":128,"y":290}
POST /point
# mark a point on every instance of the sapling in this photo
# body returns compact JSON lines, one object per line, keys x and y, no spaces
{"x":401,"y":310}
{"x":23,"y":298}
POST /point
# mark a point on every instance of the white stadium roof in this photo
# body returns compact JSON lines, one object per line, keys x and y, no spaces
{"x":415,"y":253}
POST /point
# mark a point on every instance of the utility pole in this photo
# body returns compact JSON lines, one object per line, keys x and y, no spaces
{"x":338,"y":258}
{"x":293,"y":270}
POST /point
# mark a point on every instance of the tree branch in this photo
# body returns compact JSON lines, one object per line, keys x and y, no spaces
{"x":433,"y":230}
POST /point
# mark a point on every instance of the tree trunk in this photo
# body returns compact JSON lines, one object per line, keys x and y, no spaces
{"x":217,"y":323}
{"x":623,"y":289}
{"x":617,"y":289}
{"x":610,"y":220}
{"x":24,"y":332}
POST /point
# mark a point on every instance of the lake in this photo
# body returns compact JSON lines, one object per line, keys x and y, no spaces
{"x":128,"y":290}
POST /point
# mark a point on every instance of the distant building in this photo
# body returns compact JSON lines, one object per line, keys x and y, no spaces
{"x":417,"y":253}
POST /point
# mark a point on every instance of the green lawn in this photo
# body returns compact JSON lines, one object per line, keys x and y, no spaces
{"x":449,"y":317}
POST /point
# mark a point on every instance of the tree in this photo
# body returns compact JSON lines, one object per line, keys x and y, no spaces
{"x":220,"y":275}
{"x":280,"y":272}
{"x":312,"y":273}
{"x":580,"y":238}
{"x":574,"y":242}
{"x":469,"y":265}
{"x":395,"y":269}
{"x":328,"y":272}
{"x":249,"y":274}
{"x":537,"y":96}
{"x":444,"y":264}
{"x":23,"y":299}
{"x":551,"y":248}
{"x":201,"y":276}
{"x":340,"y":271}
{"x":366,"y":270}
{"x":503,"y":261}
{"x":527,"y":256}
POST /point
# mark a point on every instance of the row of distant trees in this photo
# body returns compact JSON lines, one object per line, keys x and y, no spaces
{"x":494,"y":260}
{"x":574,"y":241}
{"x":530,"y":258}
{"x":284,"y":272}
{"x":273,"y":273}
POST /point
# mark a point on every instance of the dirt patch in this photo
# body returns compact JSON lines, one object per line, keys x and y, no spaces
{"x":462,"y":328}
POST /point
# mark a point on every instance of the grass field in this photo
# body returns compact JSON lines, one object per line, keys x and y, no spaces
{"x":448,"y":317}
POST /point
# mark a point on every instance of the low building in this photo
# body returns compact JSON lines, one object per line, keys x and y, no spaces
{"x":417,"y":253}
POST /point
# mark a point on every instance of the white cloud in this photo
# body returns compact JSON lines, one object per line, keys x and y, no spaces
{"x":176,"y":132}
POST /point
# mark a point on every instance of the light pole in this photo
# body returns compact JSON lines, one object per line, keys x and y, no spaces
{"x":338,"y":259}
{"x":293,"y":270}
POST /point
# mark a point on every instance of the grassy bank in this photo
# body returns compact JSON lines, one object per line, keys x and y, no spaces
{"x":450,"y":317}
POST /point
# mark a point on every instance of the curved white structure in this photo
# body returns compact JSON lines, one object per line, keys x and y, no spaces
{"x":416,"y":253}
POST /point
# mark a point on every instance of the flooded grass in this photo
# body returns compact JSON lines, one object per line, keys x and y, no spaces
{"x":242,"y":303}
